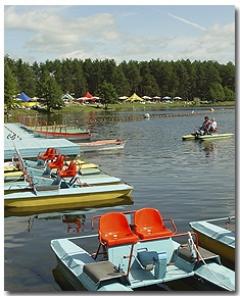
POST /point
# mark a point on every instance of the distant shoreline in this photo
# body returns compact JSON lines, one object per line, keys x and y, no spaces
{"x":128,"y":107}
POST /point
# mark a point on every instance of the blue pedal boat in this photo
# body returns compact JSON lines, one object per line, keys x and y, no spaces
{"x":136,"y":249}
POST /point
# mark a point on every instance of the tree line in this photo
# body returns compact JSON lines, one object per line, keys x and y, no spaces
{"x":208,"y":80}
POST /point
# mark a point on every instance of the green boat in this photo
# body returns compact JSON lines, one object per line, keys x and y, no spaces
{"x":207,"y":137}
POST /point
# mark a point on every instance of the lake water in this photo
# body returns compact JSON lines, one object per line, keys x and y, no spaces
{"x":185,"y":180}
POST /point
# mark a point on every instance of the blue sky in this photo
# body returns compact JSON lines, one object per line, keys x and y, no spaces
{"x":38,"y":33}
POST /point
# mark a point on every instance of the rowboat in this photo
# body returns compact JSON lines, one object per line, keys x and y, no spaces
{"x":210,"y":137}
{"x":218,"y":235}
{"x":102,"y":145}
{"x":60,"y":131}
{"x":138,"y":250}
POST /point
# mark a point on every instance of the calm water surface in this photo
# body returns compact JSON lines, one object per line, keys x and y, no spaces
{"x":184,"y":180}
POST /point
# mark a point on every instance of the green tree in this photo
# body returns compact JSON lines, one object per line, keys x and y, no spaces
{"x":107,"y":93}
{"x":26,"y":78}
{"x":132,"y":73}
{"x":120,"y":82}
{"x":50,"y":92}
{"x":229,"y":94}
{"x":10,"y":89}
{"x":216,"y":92}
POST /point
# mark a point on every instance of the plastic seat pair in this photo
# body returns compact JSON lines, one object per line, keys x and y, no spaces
{"x":114,"y":229}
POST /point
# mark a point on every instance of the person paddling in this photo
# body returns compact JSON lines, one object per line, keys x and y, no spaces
{"x":204,"y":128}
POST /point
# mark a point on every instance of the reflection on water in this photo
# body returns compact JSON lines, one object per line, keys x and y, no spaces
{"x":209,"y":148}
{"x":75,"y":223}
{"x":187,"y":181}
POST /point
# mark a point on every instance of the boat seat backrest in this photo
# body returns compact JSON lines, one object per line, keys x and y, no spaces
{"x":114,"y":230}
{"x":149,"y":224}
{"x":49,"y":154}
{"x":70,"y":171}
{"x":57,"y":163}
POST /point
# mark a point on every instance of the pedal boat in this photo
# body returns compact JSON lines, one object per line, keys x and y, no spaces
{"x":218,"y":236}
{"x":40,"y":168}
{"x":214,"y":136}
{"x":62,"y":192}
{"x":138,"y":250}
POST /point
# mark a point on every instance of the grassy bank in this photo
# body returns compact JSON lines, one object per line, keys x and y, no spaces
{"x":125,"y":107}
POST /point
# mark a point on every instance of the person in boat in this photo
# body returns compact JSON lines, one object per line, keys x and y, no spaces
{"x":213,"y":126}
{"x":204,"y":128}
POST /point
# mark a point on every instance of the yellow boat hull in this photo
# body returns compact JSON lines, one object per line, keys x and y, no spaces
{"x":65,"y":202}
{"x":226,"y":253}
{"x":124,"y":200}
{"x":13,"y":174}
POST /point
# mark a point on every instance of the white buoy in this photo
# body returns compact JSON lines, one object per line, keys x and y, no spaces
{"x":147,"y":116}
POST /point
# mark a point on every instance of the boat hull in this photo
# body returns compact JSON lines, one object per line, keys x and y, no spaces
{"x":207,"y":137}
{"x":215,"y":137}
{"x":216,"y":239}
{"x":69,"y":136}
{"x":102,"y":145}
{"x":68,"y":201}
{"x":226,"y":253}
{"x":188,"y":137}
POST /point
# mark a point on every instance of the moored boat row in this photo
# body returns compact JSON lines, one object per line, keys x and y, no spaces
{"x":50,"y":184}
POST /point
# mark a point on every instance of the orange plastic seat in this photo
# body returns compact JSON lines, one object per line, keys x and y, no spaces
{"x":58,"y":163}
{"x":49,"y":154}
{"x":149,"y":224}
{"x":114,"y":230}
{"x":70,"y":171}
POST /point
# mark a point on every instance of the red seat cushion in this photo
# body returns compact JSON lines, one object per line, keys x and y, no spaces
{"x":149,"y":233}
{"x":118,"y":238}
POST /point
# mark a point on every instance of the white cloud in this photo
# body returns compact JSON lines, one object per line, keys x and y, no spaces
{"x":97,"y":36}
{"x":55,"y":33}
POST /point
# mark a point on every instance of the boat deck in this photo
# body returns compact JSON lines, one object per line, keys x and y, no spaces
{"x":30,"y":146}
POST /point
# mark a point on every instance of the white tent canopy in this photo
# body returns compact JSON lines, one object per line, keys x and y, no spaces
{"x":123,"y":98}
{"x":147,"y":98}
